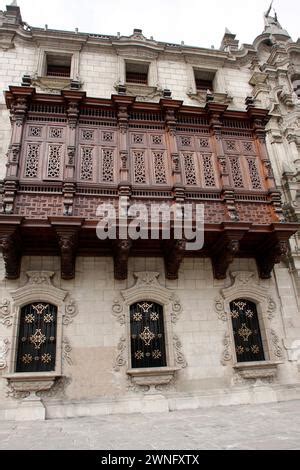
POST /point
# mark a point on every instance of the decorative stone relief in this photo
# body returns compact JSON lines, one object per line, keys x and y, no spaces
{"x":71,"y":311}
{"x":17,"y":395}
{"x":117,"y":310}
{"x":40,"y":277}
{"x":271,"y":308}
{"x":293,"y":349}
{"x":278,"y":350}
{"x":66,"y":350}
{"x":179,"y":356}
{"x":226,"y":356}
{"x":4,"y":342}
{"x":120,"y":360}
{"x":5,"y":313}
{"x":176,"y":310}
{"x":219,"y":308}
{"x":58,"y":390}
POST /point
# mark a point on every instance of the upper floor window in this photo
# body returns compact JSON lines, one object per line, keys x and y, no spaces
{"x":58,"y":65}
{"x":204,"y":80}
{"x":147,"y":335}
{"x":137,"y":73}
{"x":246,"y":331}
{"x":37,"y":338}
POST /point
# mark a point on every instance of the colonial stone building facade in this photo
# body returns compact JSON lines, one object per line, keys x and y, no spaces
{"x":91,"y":326}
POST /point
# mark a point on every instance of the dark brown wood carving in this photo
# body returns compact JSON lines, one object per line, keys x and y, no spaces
{"x":11,"y":251}
{"x":121,"y":249}
{"x":173,"y":251}
{"x":271,"y":255}
{"x":71,"y":153}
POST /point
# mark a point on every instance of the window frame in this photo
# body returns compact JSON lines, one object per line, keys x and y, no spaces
{"x":31,"y":293}
{"x":245,"y":285}
{"x":42,"y":62}
{"x":148,"y":287}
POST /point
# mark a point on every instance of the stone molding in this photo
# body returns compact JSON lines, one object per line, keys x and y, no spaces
{"x":257,"y":370}
{"x":5,"y":313}
{"x":4,"y":345}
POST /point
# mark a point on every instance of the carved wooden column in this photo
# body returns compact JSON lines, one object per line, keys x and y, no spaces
{"x":18,"y":109}
{"x":122,"y":104}
{"x":11,"y":244}
{"x":259,"y":119}
{"x":72,"y":100}
{"x":171,"y":108}
{"x":215,"y":112}
{"x":226,"y":247}
{"x":174,"y":251}
{"x":121,"y":249}
{"x":67,"y":232}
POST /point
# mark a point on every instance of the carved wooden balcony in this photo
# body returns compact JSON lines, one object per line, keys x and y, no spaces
{"x":70,"y":153}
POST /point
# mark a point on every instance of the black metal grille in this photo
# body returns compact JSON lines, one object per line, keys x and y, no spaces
{"x":246,"y":331}
{"x":147,"y":335}
{"x":37,"y":338}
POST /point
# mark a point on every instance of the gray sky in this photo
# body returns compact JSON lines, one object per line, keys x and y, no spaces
{"x":196,"y":22}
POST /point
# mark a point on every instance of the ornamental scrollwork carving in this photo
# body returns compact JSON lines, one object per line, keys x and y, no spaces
{"x":271,"y":308}
{"x":219,"y":308}
{"x":278,"y":350}
{"x":71,"y":311}
{"x":58,"y":390}
{"x":179,"y":356}
{"x":226,"y":356}
{"x":176,"y":309}
{"x":66,"y":350}
{"x":5,"y":313}
{"x":120,"y":360}
{"x":40,"y":277}
{"x":146,"y":278}
{"x":117,"y":311}
{"x":4,"y":342}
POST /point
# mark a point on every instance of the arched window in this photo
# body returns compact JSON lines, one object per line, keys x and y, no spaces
{"x":37,"y":338}
{"x":246,"y":331}
{"x":147,"y":335}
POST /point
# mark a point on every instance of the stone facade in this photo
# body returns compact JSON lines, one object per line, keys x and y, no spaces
{"x":93,"y":294}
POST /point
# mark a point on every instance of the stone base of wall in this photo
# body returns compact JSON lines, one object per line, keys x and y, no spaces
{"x":157,"y":402}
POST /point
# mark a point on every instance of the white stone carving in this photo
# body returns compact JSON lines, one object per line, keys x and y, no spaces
{"x":293,"y":349}
{"x":179,"y":357}
{"x":117,"y":310}
{"x":66,"y":350}
{"x":5,"y":313}
{"x":219,"y":308}
{"x":40,"y":277}
{"x":278,"y":350}
{"x":71,"y":311}
{"x":4,"y":342}
{"x":271,"y":308}
{"x":176,"y":309}
{"x":120,"y":360}
{"x":257,"y":370}
{"x":227,"y":355}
